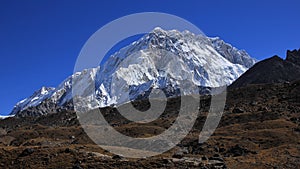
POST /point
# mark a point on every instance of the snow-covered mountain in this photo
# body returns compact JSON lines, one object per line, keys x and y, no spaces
{"x":232,"y":54}
{"x":34,"y":100}
{"x":167,"y":60}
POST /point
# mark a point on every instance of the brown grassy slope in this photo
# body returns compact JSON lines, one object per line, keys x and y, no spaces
{"x":259,"y":129}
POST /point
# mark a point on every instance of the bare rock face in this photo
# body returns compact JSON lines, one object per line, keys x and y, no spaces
{"x":272,"y":70}
{"x":293,"y":56}
{"x":2,"y":132}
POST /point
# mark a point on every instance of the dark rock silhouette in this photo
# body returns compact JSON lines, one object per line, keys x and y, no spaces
{"x":272,"y":70}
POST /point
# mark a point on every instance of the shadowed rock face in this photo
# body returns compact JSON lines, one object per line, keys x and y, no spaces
{"x":272,"y":70}
{"x":293,"y":56}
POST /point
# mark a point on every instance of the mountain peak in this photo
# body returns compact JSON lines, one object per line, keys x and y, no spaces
{"x":271,"y":70}
{"x":35,"y":99}
{"x":44,"y":90}
{"x":231,"y":53}
{"x":158,"y":30}
{"x":275,"y":57}
{"x":142,"y":66}
{"x":293,"y":56}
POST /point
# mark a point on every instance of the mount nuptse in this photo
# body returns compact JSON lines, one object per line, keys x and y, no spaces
{"x":160,"y":59}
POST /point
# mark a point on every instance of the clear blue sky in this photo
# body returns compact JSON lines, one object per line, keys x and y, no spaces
{"x":40,"y":40}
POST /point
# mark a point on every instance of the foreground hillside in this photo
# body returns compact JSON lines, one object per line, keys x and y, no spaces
{"x":259,"y":129}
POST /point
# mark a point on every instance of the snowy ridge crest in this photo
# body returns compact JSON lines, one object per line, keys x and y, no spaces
{"x":135,"y":69}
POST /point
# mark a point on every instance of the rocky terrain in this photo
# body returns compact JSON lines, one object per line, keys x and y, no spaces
{"x":260,"y":128}
{"x":272,"y":70}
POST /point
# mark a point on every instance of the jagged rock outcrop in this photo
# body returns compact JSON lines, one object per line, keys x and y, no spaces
{"x":272,"y":70}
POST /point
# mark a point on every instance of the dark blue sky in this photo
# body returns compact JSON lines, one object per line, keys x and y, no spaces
{"x":40,"y":40}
